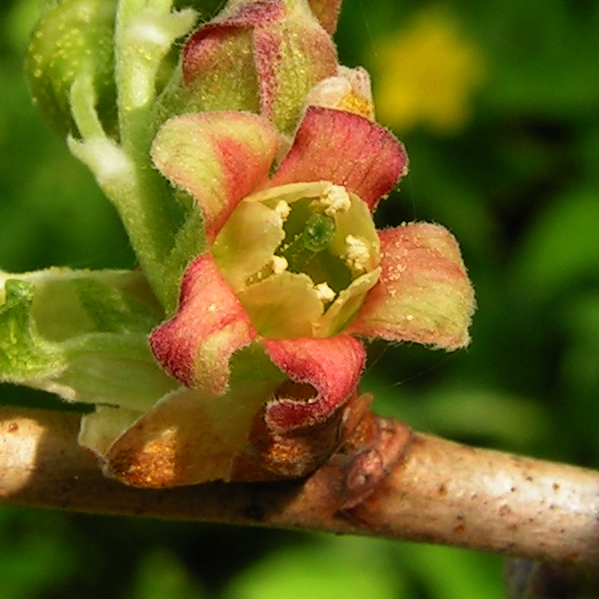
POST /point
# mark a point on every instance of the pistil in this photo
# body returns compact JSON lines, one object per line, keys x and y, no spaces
{"x":315,"y":238}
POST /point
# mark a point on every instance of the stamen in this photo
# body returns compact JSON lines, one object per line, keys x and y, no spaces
{"x":278,"y":264}
{"x":282,"y":209}
{"x":334,"y":200}
{"x":325,"y":293}
{"x":357,"y":256}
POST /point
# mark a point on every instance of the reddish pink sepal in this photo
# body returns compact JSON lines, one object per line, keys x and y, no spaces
{"x":332,"y":366}
{"x":243,"y":171}
{"x":327,"y":12}
{"x":195,"y":346}
{"x":271,"y":58}
{"x":218,"y":157}
{"x":276,"y":34}
{"x":346,"y":149}
{"x":208,"y":39}
{"x":423,"y":294}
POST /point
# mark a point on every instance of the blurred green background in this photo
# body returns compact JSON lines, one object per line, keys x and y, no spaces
{"x":498,"y":105}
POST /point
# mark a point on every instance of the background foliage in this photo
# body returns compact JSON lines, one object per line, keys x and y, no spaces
{"x":498,"y":105}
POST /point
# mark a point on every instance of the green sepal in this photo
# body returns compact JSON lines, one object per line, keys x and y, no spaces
{"x":82,"y":335}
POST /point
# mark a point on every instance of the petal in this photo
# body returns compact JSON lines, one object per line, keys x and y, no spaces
{"x":195,"y":346}
{"x":236,"y":251}
{"x":423,"y":294}
{"x":347,"y":303}
{"x":357,"y":221}
{"x":348,"y":90}
{"x":219,"y":158}
{"x":102,"y":427}
{"x":346,"y":149}
{"x":284,"y":53}
{"x":331,"y":367}
{"x":283,"y":306}
{"x":298,"y":452}
{"x":290,"y":193}
{"x":249,"y":13}
{"x":188,"y":438}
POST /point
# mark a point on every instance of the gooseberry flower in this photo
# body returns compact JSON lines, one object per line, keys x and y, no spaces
{"x":264,"y":339}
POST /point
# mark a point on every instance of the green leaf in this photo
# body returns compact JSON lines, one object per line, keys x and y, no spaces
{"x":82,"y":335}
{"x":24,"y":354}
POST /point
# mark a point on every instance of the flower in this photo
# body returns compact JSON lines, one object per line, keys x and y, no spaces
{"x":427,"y":74}
{"x":264,"y":339}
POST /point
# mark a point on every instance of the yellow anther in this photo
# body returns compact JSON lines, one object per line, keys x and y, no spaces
{"x":357,"y":256}
{"x":325,"y":293}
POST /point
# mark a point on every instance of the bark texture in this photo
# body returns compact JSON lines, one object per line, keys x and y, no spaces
{"x":388,"y":481}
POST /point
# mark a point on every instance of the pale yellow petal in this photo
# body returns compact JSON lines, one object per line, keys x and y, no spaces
{"x":348,"y":302}
{"x":357,"y":223}
{"x":247,"y":242}
{"x":283,"y":306}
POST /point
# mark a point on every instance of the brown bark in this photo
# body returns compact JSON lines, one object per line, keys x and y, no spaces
{"x":398,"y":484}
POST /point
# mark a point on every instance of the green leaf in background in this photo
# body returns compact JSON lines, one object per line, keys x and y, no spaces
{"x":562,"y":247}
{"x":483,"y":415}
{"x":581,"y":360}
{"x":358,"y":568}
{"x":31,"y":559}
{"x":162,"y":576}
{"x":349,"y":568}
{"x":451,"y":573}
{"x":545,"y":56}
{"x":579,"y":372}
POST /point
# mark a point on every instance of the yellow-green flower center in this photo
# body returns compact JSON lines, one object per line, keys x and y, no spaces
{"x":300,"y":258}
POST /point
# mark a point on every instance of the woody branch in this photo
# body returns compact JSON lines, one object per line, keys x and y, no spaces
{"x":430,"y":490}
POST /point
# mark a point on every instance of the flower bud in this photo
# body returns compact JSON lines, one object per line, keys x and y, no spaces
{"x":261,"y":57}
{"x":73,"y":38}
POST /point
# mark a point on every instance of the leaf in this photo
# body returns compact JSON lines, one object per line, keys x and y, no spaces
{"x":81,"y":335}
{"x":24,"y":354}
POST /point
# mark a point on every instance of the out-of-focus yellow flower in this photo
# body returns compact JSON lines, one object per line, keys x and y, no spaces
{"x":426,"y":74}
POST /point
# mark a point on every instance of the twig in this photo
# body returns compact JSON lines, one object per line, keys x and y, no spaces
{"x":438,"y":491}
